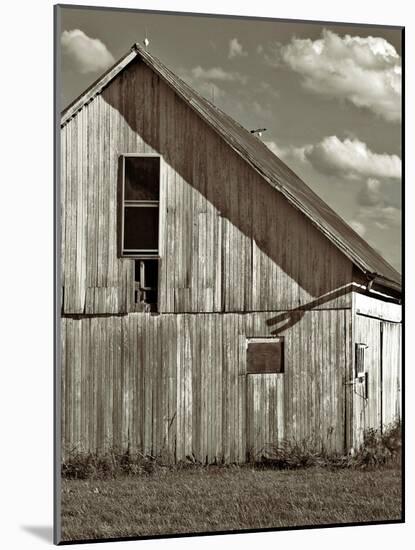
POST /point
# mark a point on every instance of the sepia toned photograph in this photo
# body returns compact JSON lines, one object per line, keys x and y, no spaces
{"x":228,"y":209}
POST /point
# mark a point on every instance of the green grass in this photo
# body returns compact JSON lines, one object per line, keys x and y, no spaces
{"x":202,"y":499}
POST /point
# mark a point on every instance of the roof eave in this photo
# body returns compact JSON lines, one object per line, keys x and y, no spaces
{"x":97,"y":86}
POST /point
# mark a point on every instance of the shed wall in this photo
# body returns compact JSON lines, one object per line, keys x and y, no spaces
{"x":377,"y":324}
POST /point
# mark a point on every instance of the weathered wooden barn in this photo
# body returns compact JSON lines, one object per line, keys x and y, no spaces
{"x":212,"y":304}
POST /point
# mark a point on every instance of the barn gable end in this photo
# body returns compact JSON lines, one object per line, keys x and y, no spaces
{"x":253,"y":151}
{"x":228,"y":241}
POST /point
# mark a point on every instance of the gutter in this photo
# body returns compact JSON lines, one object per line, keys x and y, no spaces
{"x":374,"y":278}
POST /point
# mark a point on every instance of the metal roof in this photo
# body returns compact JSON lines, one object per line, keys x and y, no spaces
{"x":265,"y":162}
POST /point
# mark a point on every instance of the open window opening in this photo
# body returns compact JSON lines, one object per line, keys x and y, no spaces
{"x":265,"y":355}
{"x":146,"y":283}
{"x":361,"y":373}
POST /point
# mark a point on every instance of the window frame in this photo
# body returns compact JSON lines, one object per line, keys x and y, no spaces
{"x":360,"y":353}
{"x":139,"y":254}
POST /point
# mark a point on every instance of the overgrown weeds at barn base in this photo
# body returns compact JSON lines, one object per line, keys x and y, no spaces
{"x":377,"y":449}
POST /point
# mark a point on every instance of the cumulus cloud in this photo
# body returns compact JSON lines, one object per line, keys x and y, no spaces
{"x":236,"y":49}
{"x":374,"y":209}
{"x":217,"y":73}
{"x":209,"y":82}
{"x":352,"y":159}
{"x":382,"y":216}
{"x":374,"y":212}
{"x":87,"y":54}
{"x":370,"y":194}
{"x":290,"y":153}
{"x":349,"y":159}
{"x":363,"y":71}
{"x":359,"y":227}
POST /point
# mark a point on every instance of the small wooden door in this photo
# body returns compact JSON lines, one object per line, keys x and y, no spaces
{"x":265,"y":413}
{"x":265,"y":385}
{"x":367,"y":395}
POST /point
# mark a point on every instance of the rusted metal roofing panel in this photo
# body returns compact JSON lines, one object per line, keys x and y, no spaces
{"x":267,"y":164}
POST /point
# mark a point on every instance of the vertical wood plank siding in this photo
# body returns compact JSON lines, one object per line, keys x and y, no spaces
{"x":391,"y":379}
{"x":382,"y":406}
{"x":367,"y":412}
{"x":176,"y":385}
{"x":229,"y":242}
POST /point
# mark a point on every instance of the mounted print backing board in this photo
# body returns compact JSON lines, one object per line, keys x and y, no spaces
{"x":230,"y":296}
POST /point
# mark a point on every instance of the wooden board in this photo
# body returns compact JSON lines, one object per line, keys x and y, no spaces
{"x":391,"y":373}
{"x":265,"y":357}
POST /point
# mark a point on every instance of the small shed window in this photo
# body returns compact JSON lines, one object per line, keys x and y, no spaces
{"x":361,"y":370}
{"x":265,"y":355}
{"x":140,"y":206}
{"x":360,"y":350}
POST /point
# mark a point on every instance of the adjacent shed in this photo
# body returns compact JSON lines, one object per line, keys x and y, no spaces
{"x":212,"y":304}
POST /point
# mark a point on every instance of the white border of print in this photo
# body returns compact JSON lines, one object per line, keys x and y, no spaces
{"x":27,"y":274}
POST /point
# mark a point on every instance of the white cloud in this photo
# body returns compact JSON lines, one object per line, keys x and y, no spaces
{"x":370,"y":194}
{"x":351,"y":158}
{"x":88,"y":55}
{"x":383,"y":216}
{"x":207,"y":88}
{"x":374,"y":209}
{"x":359,"y":227}
{"x":289,"y":154}
{"x":205,"y":81}
{"x":363,"y":71}
{"x":235,"y":49}
{"x":217,"y":73}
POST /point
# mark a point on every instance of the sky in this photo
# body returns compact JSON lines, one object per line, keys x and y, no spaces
{"x":328,"y":95}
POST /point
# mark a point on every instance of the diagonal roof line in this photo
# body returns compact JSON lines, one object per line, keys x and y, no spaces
{"x":264,"y":162}
{"x":96,"y":87}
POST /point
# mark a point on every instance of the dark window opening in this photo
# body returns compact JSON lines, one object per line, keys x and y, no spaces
{"x":140,"y":208}
{"x":265,"y":355}
{"x":361,"y":370}
{"x":365,"y":384}
{"x":141,"y":226}
{"x":359,"y":363}
{"x":142,"y":176}
{"x":146,"y":283}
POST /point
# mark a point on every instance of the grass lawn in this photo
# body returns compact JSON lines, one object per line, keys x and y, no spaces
{"x":218,"y":499}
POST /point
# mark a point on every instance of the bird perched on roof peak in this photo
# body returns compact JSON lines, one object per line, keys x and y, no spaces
{"x":146,"y":41}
